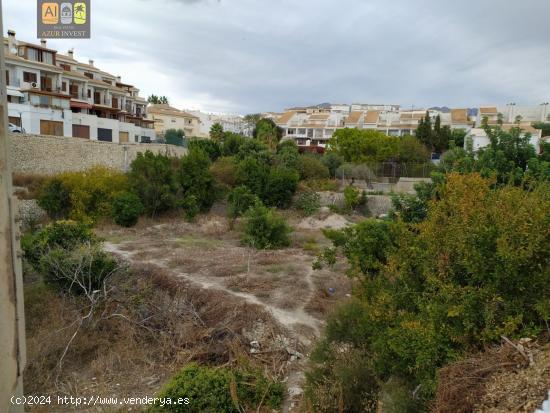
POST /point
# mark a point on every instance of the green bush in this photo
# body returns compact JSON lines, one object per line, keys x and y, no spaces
{"x":195,"y":179}
{"x":280,"y":187}
{"x":450,"y":285}
{"x":353,"y":198}
{"x":210,"y":147}
{"x":152,"y":178}
{"x":84,"y":196}
{"x":309,"y":202}
{"x":127,"y":208}
{"x":190,"y":207}
{"x":253,"y":148}
{"x":332,"y":161}
{"x":265,"y":229}
{"x":82,"y":269}
{"x":240,"y":200}
{"x":311,"y":168}
{"x":232,"y":143}
{"x":59,"y":234}
{"x":55,"y":198}
{"x":219,"y":390}
{"x":287,"y":154}
{"x":252,"y":173}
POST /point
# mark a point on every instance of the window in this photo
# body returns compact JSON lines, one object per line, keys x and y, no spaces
{"x":89,"y":93}
{"x":7,"y":77}
{"x":64,"y":86}
{"x":89,"y":75}
{"x":29,"y":77}
{"x":65,"y":67}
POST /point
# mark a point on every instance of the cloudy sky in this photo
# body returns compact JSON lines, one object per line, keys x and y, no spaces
{"x":242,"y":56}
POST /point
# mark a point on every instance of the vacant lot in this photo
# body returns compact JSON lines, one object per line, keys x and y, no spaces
{"x":191,"y":292}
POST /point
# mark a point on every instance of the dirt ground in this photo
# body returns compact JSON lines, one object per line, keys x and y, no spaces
{"x":209,"y":256}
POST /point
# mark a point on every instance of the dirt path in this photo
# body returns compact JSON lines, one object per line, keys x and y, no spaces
{"x":288,"y":318}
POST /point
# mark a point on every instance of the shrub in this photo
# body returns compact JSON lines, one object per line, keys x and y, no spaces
{"x":320,"y":185}
{"x":79,"y":270}
{"x":55,"y":198}
{"x":151,"y":177}
{"x":252,"y":173}
{"x":280,"y":187}
{"x":287,"y":154}
{"x":91,"y":192}
{"x":210,"y":147}
{"x":253,"y":148}
{"x":308,"y":202}
{"x":352,"y":198}
{"x":190,"y":207}
{"x":59,"y":234}
{"x":232,"y":143}
{"x":332,"y":161}
{"x":452,"y":284}
{"x":219,"y":390}
{"x":265,"y":229}
{"x":127,"y":208}
{"x":225,"y":171}
{"x":241,"y":199}
{"x":311,"y":168}
{"x":196,"y":180}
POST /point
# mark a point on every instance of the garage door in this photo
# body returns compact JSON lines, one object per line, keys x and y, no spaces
{"x":50,"y":127}
{"x":123,"y":137}
{"x":105,"y":135}
{"x":81,"y":131}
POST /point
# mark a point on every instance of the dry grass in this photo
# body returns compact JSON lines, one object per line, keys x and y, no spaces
{"x":31,"y":183}
{"x":150,"y":325}
{"x":461,"y":384}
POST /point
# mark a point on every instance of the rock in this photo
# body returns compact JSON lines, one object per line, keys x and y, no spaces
{"x":295,"y":391}
{"x":294,"y":353}
{"x":255,"y":344}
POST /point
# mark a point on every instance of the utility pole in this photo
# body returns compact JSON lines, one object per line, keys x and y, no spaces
{"x":12,"y":321}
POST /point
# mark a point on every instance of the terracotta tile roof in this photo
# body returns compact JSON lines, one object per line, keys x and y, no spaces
{"x":319,"y":116}
{"x":372,"y":116}
{"x":459,"y":115}
{"x":409,"y":116}
{"x":354,"y":117}
{"x":163,"y":109}
{"x":52,"y":68}
{"x":489,"y":110}
{"x":285,"y":117}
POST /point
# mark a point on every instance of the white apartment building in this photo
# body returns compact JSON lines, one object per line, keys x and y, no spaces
{"x":167,"y":117}
{"x":314,"y":126}
{"x":230,"y":123}
{"x":54,"y":94}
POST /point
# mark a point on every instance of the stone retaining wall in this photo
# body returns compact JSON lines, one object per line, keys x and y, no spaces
{"x":48,"y":155}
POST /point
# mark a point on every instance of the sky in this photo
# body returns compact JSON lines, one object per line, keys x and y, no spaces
{"x":249,"y":56}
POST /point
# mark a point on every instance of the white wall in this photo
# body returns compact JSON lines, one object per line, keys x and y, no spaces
{"x":31,"y":116}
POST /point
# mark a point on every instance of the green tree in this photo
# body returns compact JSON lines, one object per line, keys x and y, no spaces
{"x":240,"y":200}
{"x":151,"y":177}
{"x":156,"y":100}
{"x":212,"y":148}
{"x":265,"y":229}
{"x":268,"y":132}
{"x":332,"y":161}
{"x":196,"y":180}
{"x":127,"y":208}
{"x":216,"y":132}
{"x":280,"y":187}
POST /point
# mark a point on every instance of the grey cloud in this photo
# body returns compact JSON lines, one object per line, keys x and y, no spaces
{"x":256,"y":55}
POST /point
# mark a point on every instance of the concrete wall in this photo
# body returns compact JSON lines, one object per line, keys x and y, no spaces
{"x":37,"y":154}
